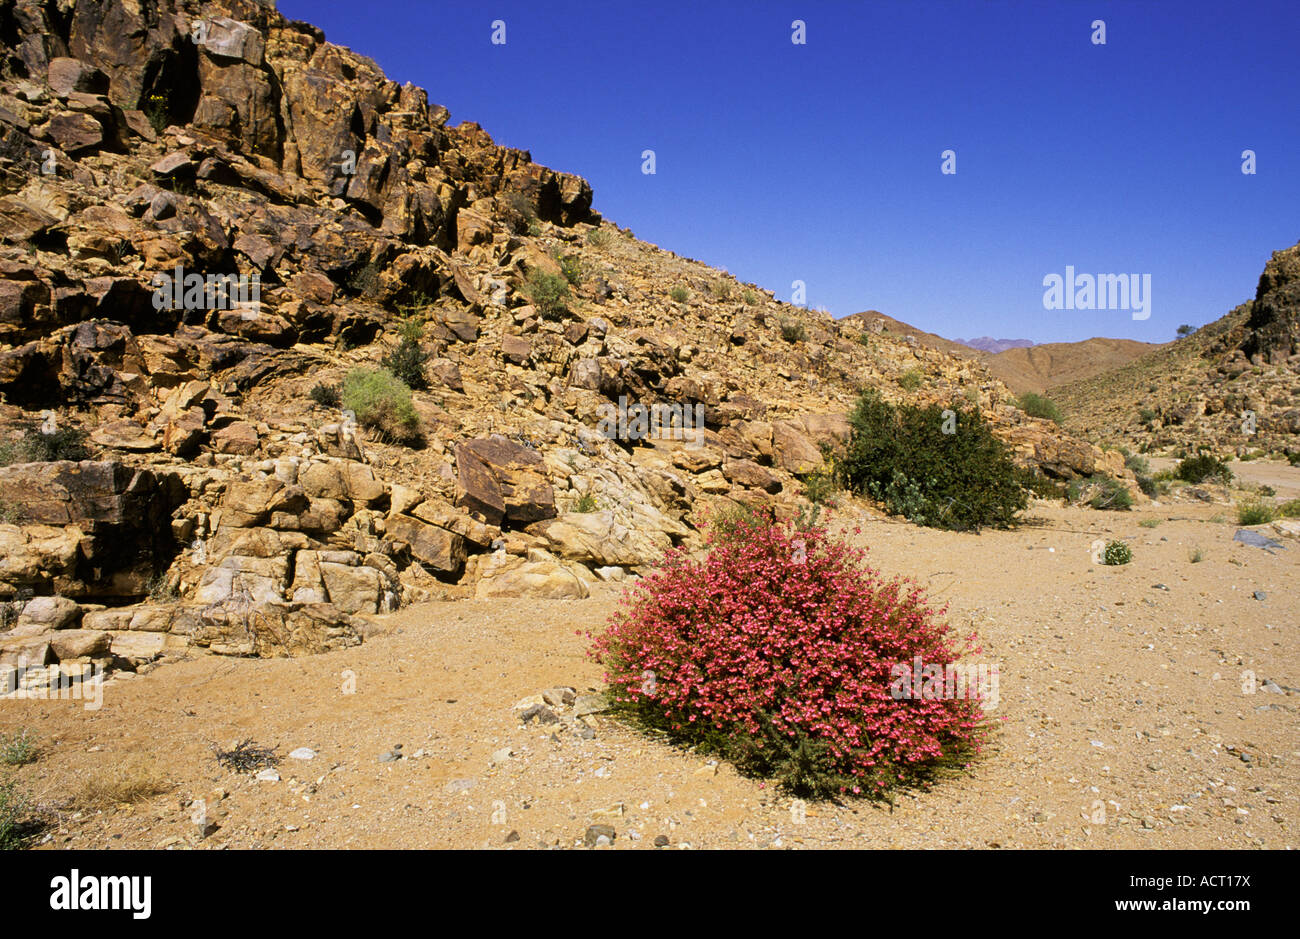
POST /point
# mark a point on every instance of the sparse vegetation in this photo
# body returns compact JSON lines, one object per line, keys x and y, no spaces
{"x":571,"y":268}
{"x":749,"y":298}
{"x":1254,"y":512}
{"x":155,"y":111}
{"x":679,"y":294}
{"x":14,"y":806}
{"x":598,"y":238}
{"x":899,"y":456}
{"x":1196,"y":555}
{"x":327,"y":396}
{"x":18,"y":748}
{"x":549,"y":293}
{"x":246,"y":756}
{"x":1101,"y":492}
{"x":819,"y":488}
{"x":381,"y":402}
{"x":586,"y":503}
{"x":133,"y":780}
{"x":1289,"y":509}
{"x":1149,"y":523}
{"x":161,"y":589}
{"x":1116,"y":553}
{"x":36,"y":446}
{"x":792,"y":331}
{"x":1185,"y":330}
{"x":911,"y":379}
{"x":1035,"y":405}
{"x":722,"y":290}
{"x":1203,"y":467}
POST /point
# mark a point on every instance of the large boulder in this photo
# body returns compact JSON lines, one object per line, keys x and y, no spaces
{"x":503,"y":575}
{"x":502,"y":481}
{"x":275,"y":630}
{"x":432,"y":546}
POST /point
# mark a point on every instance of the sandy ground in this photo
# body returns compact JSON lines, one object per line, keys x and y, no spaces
{"x":1125,"y":719}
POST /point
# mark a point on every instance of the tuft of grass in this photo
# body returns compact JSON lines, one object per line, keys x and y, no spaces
{"x":1196,"y":555}
{"x":571,"y":267}
{"x":679,"y":294}
{"x":749,"y":298}
{"x":1036,"y":405}
{"x":586,"y":503}
{"x":133,"y":780}
{"x":18,"y":748}
{"x":792,"y":331}
{"x":598,"y":238}
{"x":911,"y":379}
{"x":1101,"y":492}
{"x":36,"y":446}
{"x":1149,"y":522}
{"x":1289,"y":509}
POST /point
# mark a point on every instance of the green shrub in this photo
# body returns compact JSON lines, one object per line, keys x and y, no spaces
{"x":407,"y":360}
{"x":911,"y":379}
{"x":548,"y":292}
{"x":1034,"y":482}
{"x":679,"y":294}
{"x":18,"y":748}
{"x":864,"y":339}
{"x":35,"y":446}
{"x":1293,"y":457}
{"x":571,"y":268}
{"x":1149,"y":522}
{"x":749,"y":298}
{"x":792,"y":331}
{"x":1202,"y":467}
{"x":1116,"y":553}
{"x":1289,"y":509}
{"x":722,"y":290}
{"x":1147,"y":415}
{"x":1035,"y":405}
{"x":381,"y":402}
{"x":586,"y":503}
{"x":1254,"y":512}
{"x":327,"y":396}
{"x":900,"y":456}
{"x":598,"y":238}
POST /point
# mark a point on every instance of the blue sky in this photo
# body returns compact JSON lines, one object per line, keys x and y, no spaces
{"x":821,"y":162}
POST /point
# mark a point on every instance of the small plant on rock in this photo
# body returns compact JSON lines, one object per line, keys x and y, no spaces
{"x":779,"y":650}
{"x":1203,"y":467}
{"x":1035,"y":405}
{"x":792,"y":331}
{"x":381,"y":402}
{"x":679,"y":294}
{"x":408,"y":359}
{"x":549,"y":293}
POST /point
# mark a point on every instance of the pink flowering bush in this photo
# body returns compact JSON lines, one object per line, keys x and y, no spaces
{"x":775,"y":651}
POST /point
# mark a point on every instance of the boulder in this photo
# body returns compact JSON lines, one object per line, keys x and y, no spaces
{"x":46,"y":613}
{"x":274,"y":630}
{"x":502,"y":481}
{"x":503,"y":575}
{"x":432,"y":546}
{"x":749,"y":474}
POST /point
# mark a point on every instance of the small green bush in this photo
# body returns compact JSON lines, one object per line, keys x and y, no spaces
{"x":408,"y":359}
{"x":35,"y":446}
{"x":1202,"y":467}
{"x":586,"y":503}
{"x":1147,"y":415}
{"x":722,"y":290}
{"x":571,"y":267}
{"x":911,"y":379}
{"x":18,"y":748}
{"x":792,"y":331}
{"x":1035,"y":405}
{"x":749,"y":298}
{"x":899,"y":456}
{"x":327,"y":396}
{"x":679,"y":294}
{"x":381,"y":402}
{"x":1149,"y":522}
{"x":1293,"y":457}
{"x":1035,"y":483}
{"x":598,"y":238}
{"x":1255,"y":512}
{"x":1116,"y":553}
{"x":548,"y":292}
{"x":1289,"y":509}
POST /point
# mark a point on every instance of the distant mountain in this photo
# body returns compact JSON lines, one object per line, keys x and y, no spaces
{"x":1019,"y":363}
{"x":989,"y":344}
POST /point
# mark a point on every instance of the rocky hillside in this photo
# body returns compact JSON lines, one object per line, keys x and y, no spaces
{"x":210,"y":218}
{"x":1233,"y":385}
